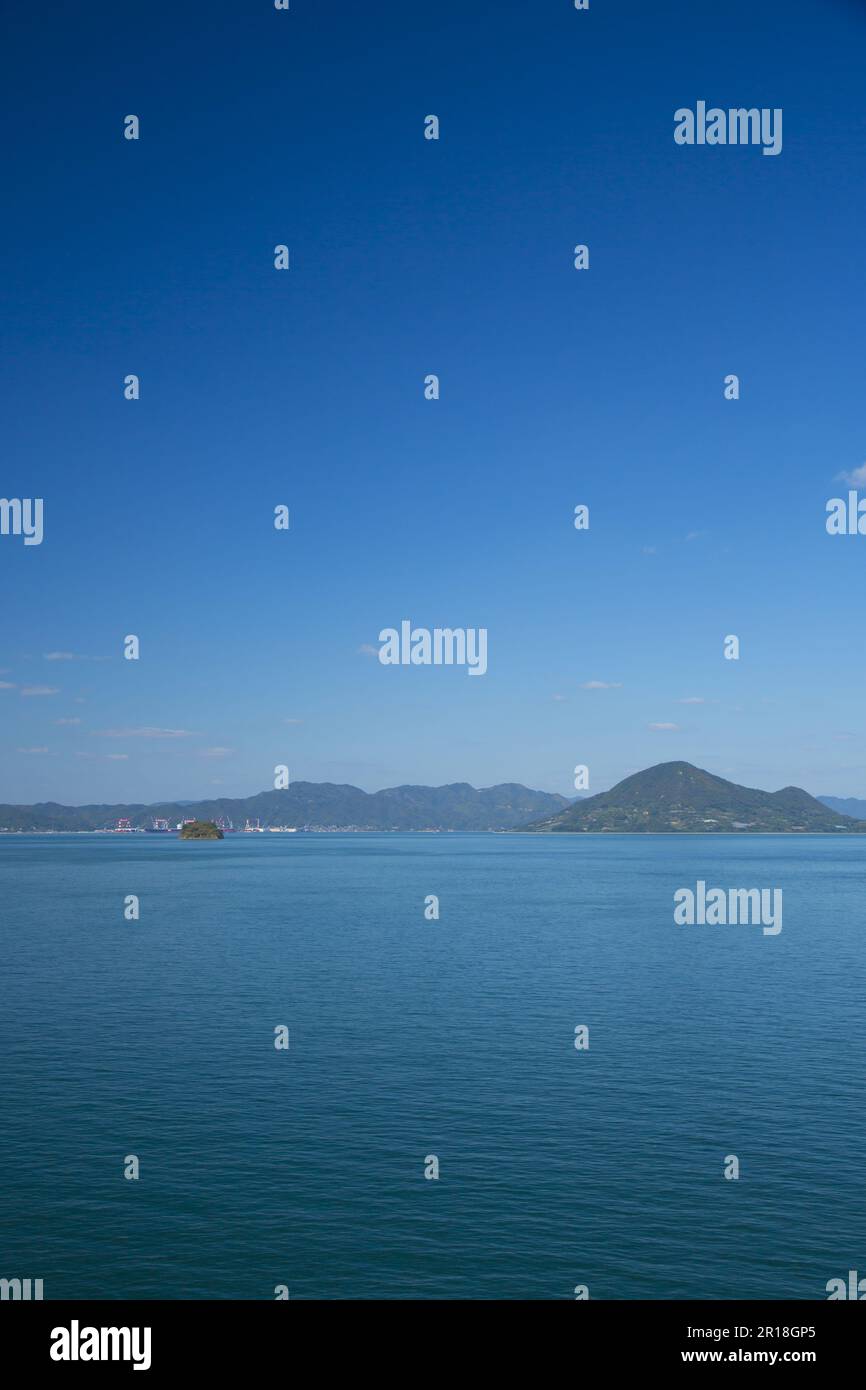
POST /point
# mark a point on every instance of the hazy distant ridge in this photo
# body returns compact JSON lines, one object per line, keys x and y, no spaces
{"x":454,"y":807}
{"x":848,"y":805}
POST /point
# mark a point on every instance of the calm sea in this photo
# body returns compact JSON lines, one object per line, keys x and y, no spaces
{"x":411,"y":1038}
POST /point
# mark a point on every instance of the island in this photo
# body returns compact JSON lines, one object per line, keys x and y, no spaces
{"x":681,"y":799}
{"x":201,"y":830}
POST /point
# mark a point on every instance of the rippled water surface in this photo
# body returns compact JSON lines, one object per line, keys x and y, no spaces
{"x":411,"y":1038}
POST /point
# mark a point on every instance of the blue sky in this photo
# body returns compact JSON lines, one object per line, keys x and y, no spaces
{"x":305,"y":387}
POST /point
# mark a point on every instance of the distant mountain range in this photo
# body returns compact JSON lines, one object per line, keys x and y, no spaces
{"x":848,"y":805}
{"x":316,"y":804}
{"x":668,"y":798}
{"x":680,"y":798}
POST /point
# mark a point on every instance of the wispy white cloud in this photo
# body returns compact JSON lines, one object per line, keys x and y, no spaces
{"x":216,"y":752}
{"x":663,"y":728}
{"x":40,"y":690}
{"x":366,"y":649}
{"x":146,"y":732}
{"x":692,"y":700}
{"x":32,"y":750}
{"x":72,"y":656}
{"x":601,"y":685}
{"x":855,"y":478}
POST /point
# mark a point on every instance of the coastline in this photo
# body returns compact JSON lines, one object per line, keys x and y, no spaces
{"x":535,"y":834}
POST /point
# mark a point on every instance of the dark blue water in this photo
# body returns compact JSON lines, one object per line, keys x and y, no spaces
{"x":409,"y":1038}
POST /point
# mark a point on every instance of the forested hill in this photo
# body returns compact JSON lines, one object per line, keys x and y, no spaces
{"x":455,"y":807}
{"x":678,"y":797}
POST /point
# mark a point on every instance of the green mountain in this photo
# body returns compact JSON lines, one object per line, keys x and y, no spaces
{"x":678,"y":797}
{"x":315,"y":804}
